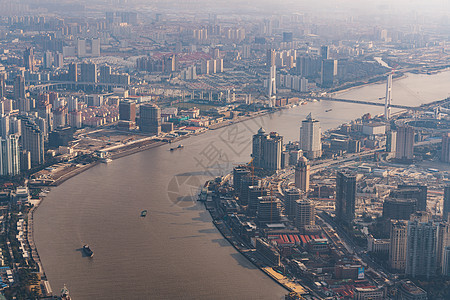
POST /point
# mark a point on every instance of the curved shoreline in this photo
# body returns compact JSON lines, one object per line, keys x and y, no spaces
{"x":157,"y":144}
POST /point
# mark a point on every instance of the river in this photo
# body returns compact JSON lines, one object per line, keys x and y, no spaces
{"x":176,"y":252}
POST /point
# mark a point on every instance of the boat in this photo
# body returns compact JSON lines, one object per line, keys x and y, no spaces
{"x":143,"y":213}
{"x":87,"y":250}
{"x":65,"y":293}
{"x":180,"y":146}
{"x":328,"y":110}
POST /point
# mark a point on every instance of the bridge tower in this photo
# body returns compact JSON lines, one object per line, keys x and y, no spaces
{"x":272,"y":85}
{"x":388,"y":99}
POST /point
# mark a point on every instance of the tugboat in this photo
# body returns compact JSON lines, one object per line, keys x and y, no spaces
{"x":65,"y":294}
{"x":143,"y":213}
{"x":88,"y":251}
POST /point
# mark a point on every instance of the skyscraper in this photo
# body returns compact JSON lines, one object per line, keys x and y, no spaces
{"x":329,"y":72}
{"x":345,"y":196}
{"x":19,"y":87}
{"x":150,"y":119}
{"x":410,"y":191}
{"x":127,"y":111}
{"x":397,"y":248}
{"x":254,"y":193}
{"x":290,"y":202}
{"x":2,"y":86}
{"x":268,"y":209}
{"x":88,"y":72}
{"x":272,"y":148}
{"x":267,"y":150}
{"x":405,"y":143}
{"x":421,"y":249}
{"x":305,"y":213}
{"x":73,"y":72}
{"x":324,"y":52}
{"x":257,"y":148}
{"x":446,"y":206}
{"x":33,"y":141}
{"x":302,"y":170}
{"x":9,"y":156}
{"x":445,"y":153}
{"x":28,"y":59}
{"x":310,"y":138}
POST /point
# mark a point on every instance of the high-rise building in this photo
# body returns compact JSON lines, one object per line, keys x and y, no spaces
{"x":73,"y":72}
{"x":345,"y":196}
{"x":19,"y":87}
{"x":75,"y":119}
{"x":254,"y":193}
{"x":105,"y":74}
{"x":48,"y":59}
{"x":329,"y":72}
{"x":405,"y":143}
{"x":95,"y":47}
{"x":421,"y":249}
{"x":305,"y":213}
{"x":302,"y":172}
{"x":290,"y":202}
{"x":443,"y":240}
{"x":446,"y":206}
{"x":150,"y":119}
{"x":28,"y":59}
{"x":33,"y":141}
{"x":324,"y":52}
{"x":239,"y":173}
{"x":127,"y":111}
{"x":81,"y":48}
{"x":399,"y":209}
{"x":268,"y":209}
{"x":2,"y":86}
{"x":272,"y":148}
{"x":391,"y":141}
{"x":397,"y":248}
{"x":310,"y":138}
{"x":88,"y":72}
{"x":446,"y":261}
{"x":9,"y":156}
{"x":4,"y":122}
{"x":445,"y":153}
{"x":267,"y":150}
{"x":409,"y":191}
{"x":270,"y":57}
{"x":247,"y":182}
{"x":257,"y":148}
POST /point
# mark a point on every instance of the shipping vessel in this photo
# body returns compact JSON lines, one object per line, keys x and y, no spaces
{"x":87,"y":250}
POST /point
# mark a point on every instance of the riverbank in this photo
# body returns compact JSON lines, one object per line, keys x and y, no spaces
{"x":246,"y":252}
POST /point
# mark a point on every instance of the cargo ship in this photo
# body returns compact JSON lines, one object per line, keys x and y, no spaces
{"x":88,"y":251}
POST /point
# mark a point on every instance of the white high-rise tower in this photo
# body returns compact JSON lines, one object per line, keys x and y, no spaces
{"x":387,"y":101}
{"x":272,"y":84}
{"x":310,"y":138}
